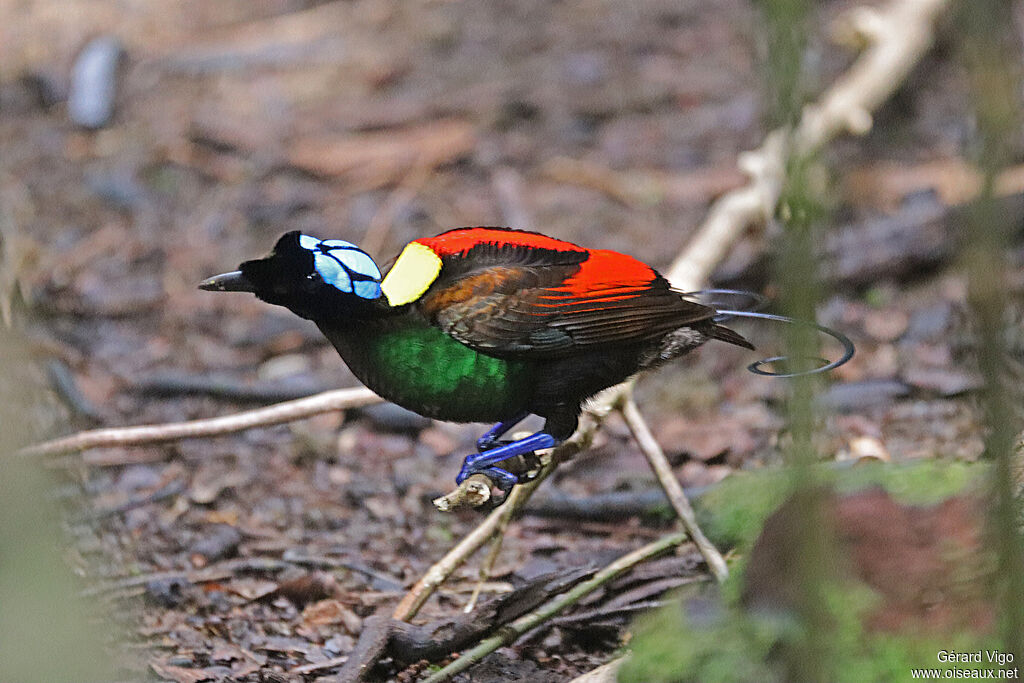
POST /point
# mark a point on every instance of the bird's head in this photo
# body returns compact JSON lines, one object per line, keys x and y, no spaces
{"x":309,"y":276}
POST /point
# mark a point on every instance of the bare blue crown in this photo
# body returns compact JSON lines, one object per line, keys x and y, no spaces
{"x":344,"y":266}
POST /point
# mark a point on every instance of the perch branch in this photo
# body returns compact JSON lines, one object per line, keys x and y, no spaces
{"x":517,"y":628}
{"x":340,"y":399}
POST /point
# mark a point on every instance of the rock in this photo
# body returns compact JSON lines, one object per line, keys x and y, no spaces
{"x":94,"y":83}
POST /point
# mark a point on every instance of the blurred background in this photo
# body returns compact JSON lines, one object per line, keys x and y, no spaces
{"x":147,"y":145}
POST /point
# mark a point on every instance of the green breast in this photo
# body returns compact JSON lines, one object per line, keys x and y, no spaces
{"x":423,"y":369}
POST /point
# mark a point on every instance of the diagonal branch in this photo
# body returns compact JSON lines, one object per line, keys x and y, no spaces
{"x":659,"y":463}
{"x":454,"y":558}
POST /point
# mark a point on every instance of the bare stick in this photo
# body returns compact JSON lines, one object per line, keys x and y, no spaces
{"x":896,"y":36}
{"x":667,"y":478}
{"x":733,"y":213}
{"x":517,"y":628}
{"x":509,"y":509}
{"x":288,"y":411}
{"x":441,"y":570}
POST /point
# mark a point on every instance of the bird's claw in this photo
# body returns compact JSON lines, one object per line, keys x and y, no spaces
{"x":517,"y":456}
{"x":486,"y":443}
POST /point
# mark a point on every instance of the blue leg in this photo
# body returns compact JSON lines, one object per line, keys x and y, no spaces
{"x":490,"y":438}
{"x":486,"y":462}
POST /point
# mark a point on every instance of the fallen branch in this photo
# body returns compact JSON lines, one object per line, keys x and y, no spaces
{"x":407,"y":644}
{"x":517,"y":628}
{"x":341,"y":399}
{"x":508,"y":511}
{"x":443,"y":568}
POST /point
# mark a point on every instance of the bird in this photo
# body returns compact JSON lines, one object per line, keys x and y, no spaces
{"x":485,"y":324}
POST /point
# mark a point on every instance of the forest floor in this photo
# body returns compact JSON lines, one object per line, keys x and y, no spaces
{"x":258,"y":556}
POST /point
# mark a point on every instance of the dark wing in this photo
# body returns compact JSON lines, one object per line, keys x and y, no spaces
{"x":538,"y":303}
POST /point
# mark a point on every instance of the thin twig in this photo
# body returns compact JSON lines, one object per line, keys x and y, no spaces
{"x":508,"y":511}
{"x":441,"y":570}
{"x":510,"y":633}
{"x":328,"y":401}
{"x":319,"y":666}
{"x":656,"y":457}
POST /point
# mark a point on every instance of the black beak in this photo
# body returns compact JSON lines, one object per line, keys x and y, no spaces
{"x":227,"y":282}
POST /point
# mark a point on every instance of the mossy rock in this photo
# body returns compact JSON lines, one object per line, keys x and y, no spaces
{"x":856,"y":635}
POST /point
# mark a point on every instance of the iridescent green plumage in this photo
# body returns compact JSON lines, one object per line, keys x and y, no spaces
{"x":412,"y":363}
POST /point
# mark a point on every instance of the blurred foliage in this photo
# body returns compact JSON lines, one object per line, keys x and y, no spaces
{"x":987,"y":35}
{"x":733,"y":512}
{"x":785,"y":37}
{"x":824,"y":638}
{"x":47,"y":634}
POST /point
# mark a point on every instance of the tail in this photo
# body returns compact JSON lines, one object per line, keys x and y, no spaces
{"x":757,"y":368}
{"x":723,"y":333}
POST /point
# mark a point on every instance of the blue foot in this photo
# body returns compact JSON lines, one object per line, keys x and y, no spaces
{"x":490,"y":438}
{"x":485,"y":463}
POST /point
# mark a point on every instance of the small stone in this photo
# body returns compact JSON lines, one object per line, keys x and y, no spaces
{"x":868,"y":448}
{"x":94,"y":83}
{"x":285,"y":365}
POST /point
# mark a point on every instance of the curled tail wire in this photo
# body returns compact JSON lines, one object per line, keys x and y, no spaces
{"x":757,"y":367}
{"x":759,"y":302}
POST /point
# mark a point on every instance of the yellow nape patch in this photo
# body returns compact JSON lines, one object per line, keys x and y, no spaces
{"x":413,"y":273}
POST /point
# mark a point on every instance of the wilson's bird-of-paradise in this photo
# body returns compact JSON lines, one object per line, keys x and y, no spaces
{"x":488,"y":325}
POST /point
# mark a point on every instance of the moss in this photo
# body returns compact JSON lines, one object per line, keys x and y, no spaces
{"x":668,"y":647}
{"x":732,"y":513}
